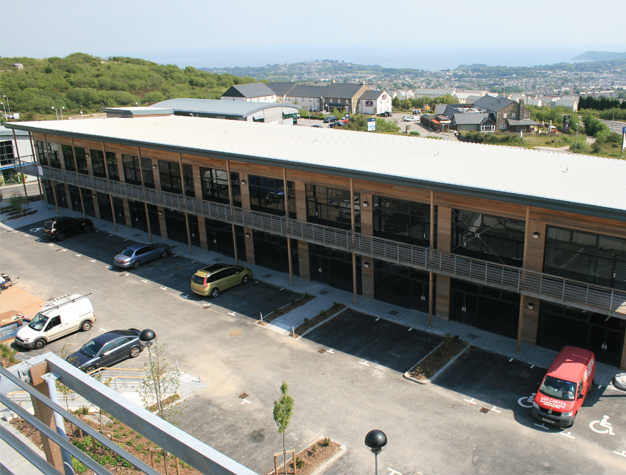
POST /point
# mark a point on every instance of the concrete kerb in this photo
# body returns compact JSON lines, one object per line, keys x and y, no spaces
{"x":332,"y":460}
{"x":322,"y":322}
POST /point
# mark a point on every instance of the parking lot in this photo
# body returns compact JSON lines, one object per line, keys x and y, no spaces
{"x":353,"y":386}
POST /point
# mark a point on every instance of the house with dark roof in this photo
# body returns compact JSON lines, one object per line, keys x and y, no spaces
{"x":508,"y":115}
{"x":374,"y":102}
{"x":256,"y":92}
{"x":479,"y":121}
{"x":314,"y":98}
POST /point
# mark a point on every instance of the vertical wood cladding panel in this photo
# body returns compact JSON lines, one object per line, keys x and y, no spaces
{"x":536,"y":246}
{"x":444,"y":229}
{"x":245,"y":190}
{"x":249,"y":245}
{"x":162,"y":222}
{"x":127,"y":217}
{"x":197,"y":182}
{"x":367,"y":216}
{"x":443,"y":297}
{"x":303,"y":258}
{"x":300,"y":201}
{"x":530,"y":322}
{"x":367,"y":281}
{"x":204,"y":242}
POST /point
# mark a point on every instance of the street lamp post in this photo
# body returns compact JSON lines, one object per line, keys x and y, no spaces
{"x":147,"y":336}
{"x":55,"y":111}
{"x":62,"y":108}
{"x":81,"y":114}
{"x":375,"y":440}
{"x":576,"y":143}
{"x":4,"y":108}
{"x":8,"y":105}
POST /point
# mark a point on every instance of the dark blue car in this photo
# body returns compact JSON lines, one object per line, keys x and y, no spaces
{"x":107,"y":349}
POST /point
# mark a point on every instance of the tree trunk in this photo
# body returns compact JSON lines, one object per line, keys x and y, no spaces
{"x":284,"y":455}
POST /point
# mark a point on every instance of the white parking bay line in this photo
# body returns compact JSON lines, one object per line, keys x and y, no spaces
{"x":493,"y":409}
{"x":232,"y":313}
{"x":330,"y":351}
{"x":244,"y":401}
{"x":364,"y":363}
{"x":79,"y":255}
{"x":102,"y":329}
{"x":144,"y":281}
{"x":185,"y":296}
{"x":569,"y":434}
{"x":92,"y":260}
{"x":163,"y":288}
{"x":471,"y":401}
{"x":622,"y":453}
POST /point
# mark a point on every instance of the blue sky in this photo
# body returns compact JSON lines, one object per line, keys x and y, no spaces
{"x":420,"y":34}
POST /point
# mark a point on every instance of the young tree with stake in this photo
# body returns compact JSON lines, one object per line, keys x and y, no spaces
{"x":283,"y":408}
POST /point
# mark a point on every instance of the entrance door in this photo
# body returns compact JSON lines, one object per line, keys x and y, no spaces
{"x":606,"y":344}
{"x":320,"y":269}
{"x":465,"y":308}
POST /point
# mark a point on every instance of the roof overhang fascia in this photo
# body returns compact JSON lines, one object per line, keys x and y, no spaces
{"x":515,"y":198}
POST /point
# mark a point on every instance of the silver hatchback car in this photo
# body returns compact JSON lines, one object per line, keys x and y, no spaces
{"x":138,"y":254}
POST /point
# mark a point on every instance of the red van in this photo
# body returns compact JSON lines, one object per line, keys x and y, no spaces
{"x":565,"y":386}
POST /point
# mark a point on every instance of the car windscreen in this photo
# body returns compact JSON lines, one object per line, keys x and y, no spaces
{"x":91,"y":348}
{"x":558,"y":388}
{"x":38,"y":322}
{"x":128,"y":252}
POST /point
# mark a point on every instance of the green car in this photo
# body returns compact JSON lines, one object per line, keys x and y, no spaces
{"x":216,"y":278}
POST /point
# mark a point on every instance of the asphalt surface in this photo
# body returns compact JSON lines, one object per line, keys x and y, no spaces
{"x":354,"y":386}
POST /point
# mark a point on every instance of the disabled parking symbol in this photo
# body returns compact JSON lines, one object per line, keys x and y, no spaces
{"x":607,"y":428}
{"x":526,"y":402}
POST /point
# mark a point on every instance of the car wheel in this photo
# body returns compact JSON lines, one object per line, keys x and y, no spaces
{"x":165,"y":253}
{"x":215,"y":292}
{"x":39,"y":344}
{"x":86,"y":325}
{"x":134,"y":351}
{"x":136,"y":264}
{"x":61,"y":237}
{"x":89,"y":369}
{"x":88,"y":228}
{"x":246,"y":279}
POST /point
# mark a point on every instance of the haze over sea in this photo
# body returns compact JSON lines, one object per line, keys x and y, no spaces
{"x":391,"y":55}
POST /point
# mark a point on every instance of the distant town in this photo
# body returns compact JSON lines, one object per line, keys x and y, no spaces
{"x":607,"y":78}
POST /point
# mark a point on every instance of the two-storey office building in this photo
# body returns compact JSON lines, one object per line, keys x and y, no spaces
{"x":522,"y":243}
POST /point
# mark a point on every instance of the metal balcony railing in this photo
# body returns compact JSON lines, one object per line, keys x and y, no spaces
{"x":531,"y":283}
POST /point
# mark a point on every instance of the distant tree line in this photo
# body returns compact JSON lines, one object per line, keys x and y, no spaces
{"x":89,"y":83}
{"x":600,"y":103}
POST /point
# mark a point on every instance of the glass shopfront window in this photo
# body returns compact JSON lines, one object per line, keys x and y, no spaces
{"x":403,"y":221}
{"x":268,"y":195}
{"x":220,"y":238}
{"x":585,"y":256}
{"x":188,"y":180}
{"x":271,"y":251}
{"x":97,"y":163}
{"x":560,"y":326}
{"x":111,"y":161}
{"x":42,"y":157}
{"x":132,"y":169}
{"x":169,"y":172}
{"x":331,"y":207}
{"x":333,"y":268}
{"x":147,"y":172}
{"x":176,"y":225}
{"x":88,"y":202}
{"x":68,"y":158}
{"x":81,"y":160}
{"x":487,"y":237}
{"x":401,"y":286}
{"x":215,"y":186}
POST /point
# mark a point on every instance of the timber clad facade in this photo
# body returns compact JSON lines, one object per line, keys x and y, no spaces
{"x":543,"y":276}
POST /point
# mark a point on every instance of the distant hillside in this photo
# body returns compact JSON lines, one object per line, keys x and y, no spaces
{"x":81,"y":82}
{"x":599,"y":56}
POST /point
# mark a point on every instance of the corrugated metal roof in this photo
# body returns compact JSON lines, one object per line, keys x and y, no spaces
{"x":226,"y":108}
{"x":571,"y":182}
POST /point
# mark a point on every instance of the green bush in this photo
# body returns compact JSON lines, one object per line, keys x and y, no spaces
{"x":78,"y":466}
{"x":300,"y":462}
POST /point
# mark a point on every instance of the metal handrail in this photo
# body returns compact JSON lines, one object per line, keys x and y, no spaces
{"x":531,"y":283}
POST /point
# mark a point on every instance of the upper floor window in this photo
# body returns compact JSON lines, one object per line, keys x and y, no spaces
{"x":169,"y":172}
{"x":132,"y":169}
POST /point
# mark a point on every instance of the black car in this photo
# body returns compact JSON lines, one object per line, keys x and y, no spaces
{"x":62,"y":226}
{"x":107,"y":349}
{"x":330,"y":118}
{"x":385,"y":114}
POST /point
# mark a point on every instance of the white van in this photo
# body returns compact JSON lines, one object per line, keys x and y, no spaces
{"x":59,"y":317}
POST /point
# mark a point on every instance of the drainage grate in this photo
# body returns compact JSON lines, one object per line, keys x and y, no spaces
{"x":472,"y":336}
{"x":267,"y":276}
{"x":393,"y":312}
{"x":484,"y":410}
{"x":323,"y":292}
{"x":234,"y":333}
{"x":321,"y":350}
{"x":243,"y":395}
